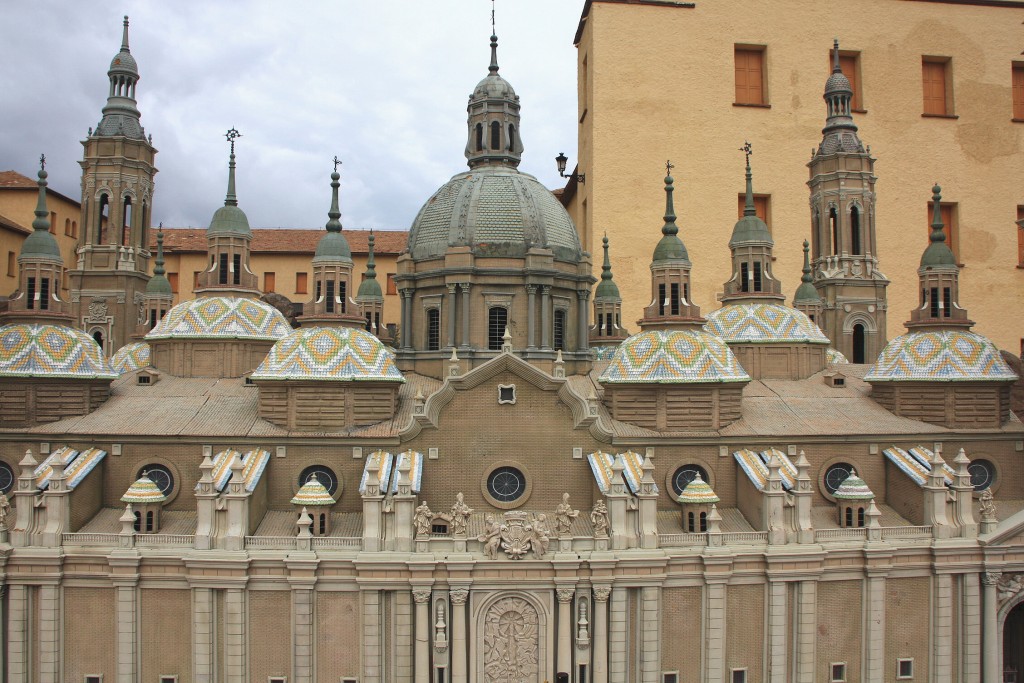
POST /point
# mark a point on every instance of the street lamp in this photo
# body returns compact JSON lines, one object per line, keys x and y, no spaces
{"x":561,"y":160}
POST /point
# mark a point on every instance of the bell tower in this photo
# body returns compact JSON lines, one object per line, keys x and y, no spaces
{"x":108,"y":283}
{"x":843,"y":245}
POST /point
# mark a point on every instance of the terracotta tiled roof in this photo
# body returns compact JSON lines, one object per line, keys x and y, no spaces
{"x":15,"y":179}
{"x":7,"y":223}
{"x":285,"y":240}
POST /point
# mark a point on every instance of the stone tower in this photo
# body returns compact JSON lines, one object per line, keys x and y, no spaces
{"x":843,"y":244}
{"x":109,"y":281}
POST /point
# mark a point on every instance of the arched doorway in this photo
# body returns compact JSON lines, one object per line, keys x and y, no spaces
{"x":1013,"y":643}
{"x":859,"y":353}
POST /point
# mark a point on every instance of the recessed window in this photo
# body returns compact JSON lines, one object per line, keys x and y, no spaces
{"x":949,"y":215}
{"x":685,"y":474}
{"x":558,"y":340}
{"x":835,"y":475}
{"x":904,"y":669}
{"x":325,"y":475}
{"x":738,"y":676}
{"x":1018,"y":91}
{"x":750,"y":75}
{"x":439,"y":529}
{"x":838,"y":673}
{"x":762,"y":203}
{"x":983,"y":474}
{"x":506,"y":484}
{"x":173,"y":279}
{"x":277,"y":679}
{"x":159,"y":475}
{"x":392,"y":286}
{"x":497,"y":319}
{"x":269,"y":282}
{"x":936,"y":84}
{"x":168,"y":679}
{"x":507,"y":393}
{"x":1020,"y":235}
{"x":12,"y":264}
{"x":94,"y":678}
{"x":672,"y":677}
{"x":302,"y":283}
{"x":433,"y":329}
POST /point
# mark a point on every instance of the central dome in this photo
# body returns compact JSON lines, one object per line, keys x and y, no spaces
{"x":497,"y":211}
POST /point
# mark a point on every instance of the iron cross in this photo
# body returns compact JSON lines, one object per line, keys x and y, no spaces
{"x":232,"y":135}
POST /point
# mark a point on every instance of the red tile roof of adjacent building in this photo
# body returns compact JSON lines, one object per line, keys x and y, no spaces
{"x":285,"y":240}
{"x":12,"y":180}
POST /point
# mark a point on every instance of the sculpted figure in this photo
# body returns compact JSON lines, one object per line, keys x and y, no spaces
{"x":599,"y":518}
{"x":491,"y":538}
{"x":564,"y":515}
{"x":541,"y":536}
{"x":460,"y":516}
{"x":5,"y":510}
{"x":421,"y":520}
{"x":988,"y":506}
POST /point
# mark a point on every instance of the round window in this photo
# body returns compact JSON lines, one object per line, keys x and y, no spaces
{"x":506,"y":484}
{"x":983,"y":474}
{"x":325,"y":475}
{"x":6,"y":477}
{"x":159,"y":475}
{"x":685,"y":474}
{"x":836,"y":475}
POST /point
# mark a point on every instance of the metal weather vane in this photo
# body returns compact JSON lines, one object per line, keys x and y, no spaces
{"x":231,"y":136}
{"x":337,"y":162}
{"x":747,"y":150}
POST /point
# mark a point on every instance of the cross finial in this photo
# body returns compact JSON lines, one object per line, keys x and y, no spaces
{"x":747,"y":150}
{"x":668,"y":167}
{"x":337,"y":162}
{"x":42,"y":162}
{"x":231,"y":136}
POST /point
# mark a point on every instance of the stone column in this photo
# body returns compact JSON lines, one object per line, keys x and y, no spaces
{"x":458,"y":643}
{"x":971,"y":647}
{"x":650,"y":629}
{"x":531,"y":316}
{"x":806,"y":630}
{"x":202,"y":635}
{"x":990,"y":629}
{"x":874,"y":648}
{"x":302,"y":635}
{"x":583,"y":331}
{"x":49,"y":634}
{"x":372,"y":640}
{"x":564,"y":649}
{"x":942,"y":643}
{"x":777,"y":626}
{"x":714,"y":652}
{"x":449,"y":311}
{"x":465,"y":314}
{"x":402,"y":627}
{"x":600,"y":625}
{"x":421,"y":661}
{"x":235,"y":658}
{"x":545,"y":317}
{"x":618,"y":645}
{"x":404,"y":318}
{"x":18,"y":650}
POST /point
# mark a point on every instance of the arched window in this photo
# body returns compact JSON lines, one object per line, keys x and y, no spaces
{"x":703,"y":522}
{"x":126,"y":222}
{"x":689,"y":523}
{"x":860,"y":516}
{"x":479,"y":137}
{"x":495,"y":135}
{"x":102,"y":217}
{"x":497,"y":319}
{"x":98,"y":337}
{"x":323,"y":523}
{"x":849,"y":516}
{"x":855,"y":245}
{"x":859,"y":353}
{"x":558,"y":341}
{"x":138,"y":521}
{"x":511,"y":138}
{"x":144,"y":226}
{"x":433,"y":329}
{"x":833,"y":221}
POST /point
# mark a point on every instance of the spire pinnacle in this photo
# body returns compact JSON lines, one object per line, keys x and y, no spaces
{"x":124,"y":36}
{"x":371,"y":268}
{"x":231,"y":199}
{"x":607,"y":288}
{"x":938,"y":233}
{"x":748,"y":208}
{"x":807,"y":277}
{"x":670,"y":227}
{"x":606,"y":267}
{"x":836,"y":68}
{"x":334,"y":225}
{"x":158,"y":269}
{"x":493,"y":68}
{"x":42,"y":220}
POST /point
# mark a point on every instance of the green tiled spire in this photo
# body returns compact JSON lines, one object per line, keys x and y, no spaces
{"x":938,"y":252}
{"x":806,"y":293}
{"x":159,"y":284}
{"x":670,"y":247}
{"x":607,"y":289}
{"x":333,"y":245}
{"x":370,"y":287}
{"x":41,"y":243}
{"x":750,"y":228}
{"x":229,"y":218}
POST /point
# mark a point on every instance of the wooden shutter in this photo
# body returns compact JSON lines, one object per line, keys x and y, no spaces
{"x":301,"y":283}
{"x":1020,"y":236}
{"x":749,"y":76}
{"x":269,"y":282}
{"x":760,"y":207}
{"x":848,"y":64}
{"x":933,"y":78}
{"x":1018,"y":91}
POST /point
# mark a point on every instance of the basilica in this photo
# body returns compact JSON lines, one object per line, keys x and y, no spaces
{"x":521,"y":485}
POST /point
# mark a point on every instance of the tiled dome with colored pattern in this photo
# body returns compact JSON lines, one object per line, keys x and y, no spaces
{"x":143,"y":491}
{"x":698,"y":491}
{"x":940,"y":355}
{"x":853,"y":488}
{"x":328,"y":353}
{"x":763,"y":323}
{"x":313,"y":493}
{"x":221,"y":317}
{"x":673,"y":357}
{"x":30,"y":350}
{"x":130,"y":358}
{"x":836,"y":357}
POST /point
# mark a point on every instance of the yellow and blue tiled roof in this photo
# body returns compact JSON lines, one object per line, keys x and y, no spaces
{"x":222,"y":318}
{"x":853,"y":488}
{"x":313,"y":493}
{"x":698,"y":491}
{"x":130,"y":358}
{"x":330,"y":354}
{"x":763,"y":323}
{"x":30,"y":350}
{"x":836,"y":357}
{"x":143,"y":491}
{"x":673,"y":357}
{"x":941,"y":356}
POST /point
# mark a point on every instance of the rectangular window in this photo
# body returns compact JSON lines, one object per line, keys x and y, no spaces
{"x":343,"y":296}
{"x":933,"y":302}
{"x":12,"y":263}
{"x":168,"y":679}
{"x":433,"y":329}
{"x":1018,"y":92}
{"x":173,"y":279}
{"x":762,"y":204}
{"x":497,"y":319}
{"x":392,"y":287}
{"x":94,"y":678}
{"x":277,"y":679}
{"x":329,"y":297}
{"x":744,"y":277}
{"x":301,"y":283}
{"x":269,"y":282}
{"x":223,"y":279}
{"x":738,"y":676}
{"x":949,"y":226}
{"x":661,"y":299}
{"x":750,"y":75}
{"x":675,"y":299}
{"x":672,"y":677}
{"x":849,"y":63}
{"x":195,"y":279}
{"x":935,"y":81}
{"x":559,"y":330}
{"x":757,"y":276}
{"x":53,"y":222}
{"x":44,"y":294}
{"x":838,"y":673}
{"x":30,"y":299}
{"x":904,"y":669}
{"x":237,"y":263}
{"x":1020,"y":237}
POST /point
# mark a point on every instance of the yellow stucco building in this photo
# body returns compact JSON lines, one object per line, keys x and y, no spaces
{"x":938,"y":97}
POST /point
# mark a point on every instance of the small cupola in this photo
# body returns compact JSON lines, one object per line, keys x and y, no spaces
{"x":806,"y":300}
{"x":697,"y":499}
{"x":314,"y":496}
{"x":146,"y":500}
{"x":370,"y":297}
{"x":494,"y":119}
{"x":853,"y":498}
{"x":939,"y":276}
{"x":607,"y":330}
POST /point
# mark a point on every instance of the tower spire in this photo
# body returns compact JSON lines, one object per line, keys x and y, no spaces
{"x":334,"y":224}
{"x":41,"y":223}
{"x":748,"y":208}
{"x":371,"y":266}
{"x":670,"y":227}
{"x":121,"y":116}
{"x":158,"y":269}
{"x":231,"y":199}
{"x":124,"y":36}
{"x":939,"y":277}
{"x":493,"y":124}
{"x":493,"y":68}
{"x":840,"y":132}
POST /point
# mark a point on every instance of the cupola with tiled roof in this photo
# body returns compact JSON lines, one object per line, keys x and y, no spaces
{"x":370,"y":297}
{"x":608,"y":331}
{"x":146,"y":500}
{"x":806,"y":299}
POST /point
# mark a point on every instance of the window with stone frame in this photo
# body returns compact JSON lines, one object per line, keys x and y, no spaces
{"x":750,"y":75}
{"x":558,"y":330}
{"x":433,"y":329}
{"x":497,"y":320}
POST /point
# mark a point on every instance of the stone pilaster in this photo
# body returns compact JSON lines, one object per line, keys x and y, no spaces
{"x":942,"y":630}
{"x":202,"y":635}
{"x":714,"y":646}
{"x":531,"y":316}
{"x":459,"y":596}
{"x":565,"y":621}
{"x":583,"y":326}
{"x":970,"y":608}
{"x":403,"y":666}
{"x":545,"y":317}
{"x":600,"y":626}
{"x":650,"y":634}
{"x":421,"y":658}
{"x":302,"y":634}
{"x":125,"y":567}
{"x":806,"y":630}
{"x":874,"y":647}
{"x":464,"y":286}
{"x":648,"y":506}
{"x":618,"y":645}
{"x":777,"y":628}
{"x":18,"y":650}
{"x":372,"y":636}
{"x":49,"y":634}
{"x":449,"y":312}
{"x":990,"y":629}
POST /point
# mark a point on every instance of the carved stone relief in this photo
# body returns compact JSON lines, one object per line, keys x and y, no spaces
{"x":511,"y":642}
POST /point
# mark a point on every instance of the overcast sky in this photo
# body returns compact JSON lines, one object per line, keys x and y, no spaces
{"x":382,"y":84}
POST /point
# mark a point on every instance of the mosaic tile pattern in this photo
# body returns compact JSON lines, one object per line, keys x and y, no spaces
{"x":763,"y":323}
{"x":940,"y":355}
{"x":755,"y":466}
{"x":916,"y":466}
{"x":326,"y":353}
{"x":130,"y":358}
{"x":673,"y":357}
{"x":254,"y":463}
{"x":853,"y":488}
{"x":836,"y":357}
{"x":601,"y":466}
{"x":83,"y":465}
{"x":313,"y":493}
{"x":633,"y":463}
{"x":44,"y":470}
{"x":28,"y":350}
{"x":415,"y":460}
{"x":698,"y":491}
{"x":143,"y":491}
{"x":222,"y":317}
{"x":604,"y":352}
{"x":379,"y":462}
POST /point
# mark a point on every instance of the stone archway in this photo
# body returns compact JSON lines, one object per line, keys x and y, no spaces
{"x":512,"y":645}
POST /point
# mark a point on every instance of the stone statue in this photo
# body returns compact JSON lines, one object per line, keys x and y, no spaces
{"x":564,"y":515}
{"x":541,"y":536}
{"x":460,"y":516}
{"x":599,"y":518}
{"x":5,"y":510}
{"x":988,"y":506}
{"x":422,"y":519}
{"x":491,"y":538}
